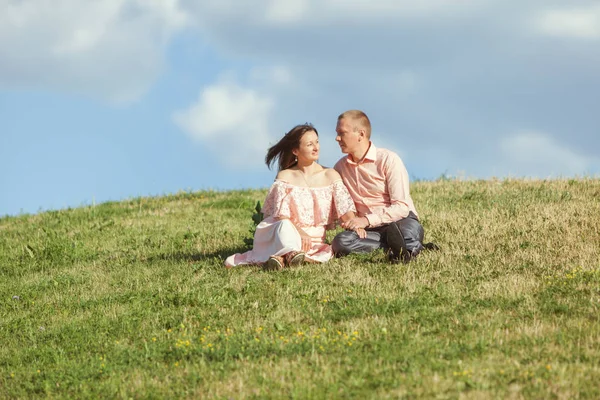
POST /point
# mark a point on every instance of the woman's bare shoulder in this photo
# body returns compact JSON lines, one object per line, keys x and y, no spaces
{"x":290,"y":176}
{"x":286,"y":175}
{"x":332,"y":175}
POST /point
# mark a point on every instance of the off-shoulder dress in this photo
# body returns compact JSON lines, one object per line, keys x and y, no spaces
{"x":289,"y":206}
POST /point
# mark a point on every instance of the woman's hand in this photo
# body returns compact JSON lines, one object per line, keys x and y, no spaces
{"x":306,"y":240}
{"x":348,"y":216}
{"x":306,"y":243}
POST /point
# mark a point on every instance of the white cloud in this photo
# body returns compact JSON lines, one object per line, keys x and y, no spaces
{"x":392,"y":8}
{"x":582,"y":23}
{"x":227,"y":114}
{"x":275,"y":76}
{"x":110,"y":48}
{"x":309,"y":13}
{"x":532,"y":153}
{"x":286,"y":11}
{"x":255,"y":114}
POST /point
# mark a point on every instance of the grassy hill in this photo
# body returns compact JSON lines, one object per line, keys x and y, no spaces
{"x":130,"y":299}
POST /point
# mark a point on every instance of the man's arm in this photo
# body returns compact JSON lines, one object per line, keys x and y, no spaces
{"x":397,"y":183}
{"x":350,"y":220}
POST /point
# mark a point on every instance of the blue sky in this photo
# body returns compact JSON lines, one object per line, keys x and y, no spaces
{"x":114,"y":99}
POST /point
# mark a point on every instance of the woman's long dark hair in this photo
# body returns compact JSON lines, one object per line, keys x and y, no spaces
{"x":283,"y":149}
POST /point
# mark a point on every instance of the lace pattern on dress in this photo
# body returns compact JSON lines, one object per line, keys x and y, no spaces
{"x":308,"y":206}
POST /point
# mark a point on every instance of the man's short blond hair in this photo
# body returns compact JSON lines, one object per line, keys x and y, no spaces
{"x":359,"y":119}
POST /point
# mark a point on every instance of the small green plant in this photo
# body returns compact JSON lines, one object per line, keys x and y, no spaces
{"x":256,"y":218}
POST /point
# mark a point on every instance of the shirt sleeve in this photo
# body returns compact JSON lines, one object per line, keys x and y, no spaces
{"x":397,"y":182}
{"x":277,"y":202}
{"x":341,"y":199}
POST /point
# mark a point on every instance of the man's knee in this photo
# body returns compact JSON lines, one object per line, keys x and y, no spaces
{"x":342,"y":243}
{"x":413,"y":234}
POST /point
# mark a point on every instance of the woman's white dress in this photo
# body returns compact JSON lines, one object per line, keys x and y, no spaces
{"x":288,"y":206}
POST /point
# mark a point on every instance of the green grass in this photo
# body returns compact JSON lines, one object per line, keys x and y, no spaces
{"x":130,"y":300}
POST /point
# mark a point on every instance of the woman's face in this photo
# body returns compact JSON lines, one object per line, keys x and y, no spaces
{"x":309,"y":147}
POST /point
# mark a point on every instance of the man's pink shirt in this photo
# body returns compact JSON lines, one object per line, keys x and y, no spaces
{"x":379,"y":185}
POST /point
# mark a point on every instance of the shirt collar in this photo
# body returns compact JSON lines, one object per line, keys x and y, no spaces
{"x":370,"y":156}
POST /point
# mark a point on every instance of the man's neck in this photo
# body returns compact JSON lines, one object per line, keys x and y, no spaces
{"x":358,"y":155}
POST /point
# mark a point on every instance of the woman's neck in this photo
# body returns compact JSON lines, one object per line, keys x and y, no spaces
{"x":307,"y":167}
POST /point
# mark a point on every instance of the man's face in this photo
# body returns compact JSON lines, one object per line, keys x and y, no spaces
{"x":347,"y":137}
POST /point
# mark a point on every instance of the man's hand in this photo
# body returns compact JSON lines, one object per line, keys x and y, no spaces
{"x":356,"y":223}
{"x":361,"y":233}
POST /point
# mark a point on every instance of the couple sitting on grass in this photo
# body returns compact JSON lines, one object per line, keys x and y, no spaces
{"x":367,"y":191}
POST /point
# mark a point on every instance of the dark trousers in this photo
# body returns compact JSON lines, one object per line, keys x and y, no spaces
{"x":348,"y":242}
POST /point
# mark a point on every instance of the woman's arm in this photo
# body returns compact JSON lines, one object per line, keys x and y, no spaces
{"x":342,"y":198}
{"x":348,"y":216}
{"x":361,"y":232}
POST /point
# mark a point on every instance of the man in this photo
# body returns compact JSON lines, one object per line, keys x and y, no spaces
{"x":378,"y":182}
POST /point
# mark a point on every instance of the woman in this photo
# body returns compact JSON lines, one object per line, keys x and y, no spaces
{"x":303,"y":200}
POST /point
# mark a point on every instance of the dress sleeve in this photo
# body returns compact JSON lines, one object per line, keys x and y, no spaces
{"x":341,"y":199}
{"x":277,"y":203}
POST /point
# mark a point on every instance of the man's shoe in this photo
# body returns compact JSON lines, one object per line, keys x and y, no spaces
{"x":396,"y":258}
{"x":431,"y":246}
{"x":274,"y":263}
{"x":395,"y":240}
